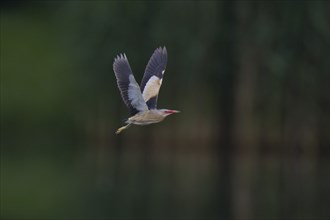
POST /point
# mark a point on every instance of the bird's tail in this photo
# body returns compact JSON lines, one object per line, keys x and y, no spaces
{"x":122,"y":128}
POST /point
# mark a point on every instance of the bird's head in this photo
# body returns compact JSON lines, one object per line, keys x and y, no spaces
{"x":167,"y":112}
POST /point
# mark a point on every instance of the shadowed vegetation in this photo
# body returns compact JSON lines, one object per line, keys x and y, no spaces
{"x":251,"y":79}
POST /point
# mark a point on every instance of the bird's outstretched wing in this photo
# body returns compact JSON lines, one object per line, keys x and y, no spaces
{"x":153,"y":76}
{"x":129,"y":89}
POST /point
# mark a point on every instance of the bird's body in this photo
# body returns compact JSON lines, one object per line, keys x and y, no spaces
{"x":148,"y":117}
{"x":142,"y":102}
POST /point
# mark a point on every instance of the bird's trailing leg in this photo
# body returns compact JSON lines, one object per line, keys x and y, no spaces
{"x":122,"y":128}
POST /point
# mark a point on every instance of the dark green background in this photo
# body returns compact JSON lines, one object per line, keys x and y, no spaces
{"x":251,"y":79}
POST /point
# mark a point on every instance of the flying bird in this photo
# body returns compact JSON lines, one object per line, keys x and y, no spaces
{"x":142,"y":102}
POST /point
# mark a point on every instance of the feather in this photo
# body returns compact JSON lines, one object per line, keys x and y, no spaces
{"x":153,"y":76}
{"x":129,"y":89}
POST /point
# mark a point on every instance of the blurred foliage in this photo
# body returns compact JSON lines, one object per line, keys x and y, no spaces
{"x":251,"y":79}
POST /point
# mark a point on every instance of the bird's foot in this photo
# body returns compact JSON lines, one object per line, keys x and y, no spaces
{"x":122,"y":128}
